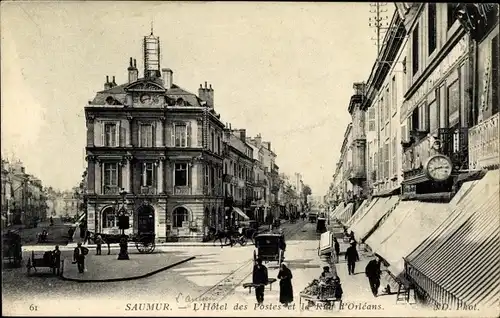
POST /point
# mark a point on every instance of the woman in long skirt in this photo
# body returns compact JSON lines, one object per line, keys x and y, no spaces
{"x":286,"y":290}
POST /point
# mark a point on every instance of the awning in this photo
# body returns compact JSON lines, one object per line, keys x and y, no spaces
{"x":345,"y":214}
{"x":405,"y":228}
{"x":365,"y":207}
{"x":325,"y":242}
{"x":339,"y":208}
{"x":459,"y":261}
{"x":363,"y":227}
{"x":80,"y":218}
{"x":241,"y":213}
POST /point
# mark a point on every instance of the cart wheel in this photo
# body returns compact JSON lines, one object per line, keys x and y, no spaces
{"x":243,"y":241}
{"x":145,"y":245}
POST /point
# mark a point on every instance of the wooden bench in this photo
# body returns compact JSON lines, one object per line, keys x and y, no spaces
{"x":250,"y":285}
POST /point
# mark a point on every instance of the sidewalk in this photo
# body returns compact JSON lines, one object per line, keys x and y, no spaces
{"x":107,"y":268}
{"x":57,"y":234}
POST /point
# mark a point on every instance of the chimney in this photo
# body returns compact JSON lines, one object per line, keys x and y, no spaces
{"x":258,"y":140}
{"x":107,"y":85}
{"x":132,"y":72}
{"x":167,"y":77}
{"x":206,"y":94}
{"x":269,"y":146}
{"x":243,"y":134}
{"x":114,"y":82}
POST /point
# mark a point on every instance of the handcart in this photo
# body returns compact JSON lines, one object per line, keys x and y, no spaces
{"x":48,"y":260}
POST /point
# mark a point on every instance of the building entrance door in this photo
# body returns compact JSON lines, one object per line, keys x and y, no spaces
{"x":146,"y":220}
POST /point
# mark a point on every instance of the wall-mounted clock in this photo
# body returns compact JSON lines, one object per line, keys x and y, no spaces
{"x":145,"y":99}
{"x":438,"y":167}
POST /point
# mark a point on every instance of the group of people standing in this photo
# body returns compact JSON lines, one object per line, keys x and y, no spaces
{"x":261,"y":279}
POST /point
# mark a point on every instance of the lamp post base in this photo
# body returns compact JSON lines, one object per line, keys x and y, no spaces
{"x":123,"y":256}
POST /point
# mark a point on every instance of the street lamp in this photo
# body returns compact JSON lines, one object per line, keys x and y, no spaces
{"x":123,"y":224}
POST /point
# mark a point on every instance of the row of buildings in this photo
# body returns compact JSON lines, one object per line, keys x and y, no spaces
{"x":417,"y":180}
{"x":163,"y":155}
{"x":22,"y":196}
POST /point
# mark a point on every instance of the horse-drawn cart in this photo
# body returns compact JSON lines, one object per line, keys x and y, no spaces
{"x":270,"y":247}
{"x":48,"y":260}
{"x":144,"y":242}
{"x":12,"y":248}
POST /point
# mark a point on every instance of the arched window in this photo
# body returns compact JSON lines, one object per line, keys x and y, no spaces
{"x":179,"y":215}
{"x":109,"y":218}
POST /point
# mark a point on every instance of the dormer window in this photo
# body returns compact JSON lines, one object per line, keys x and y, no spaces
{"x":110,"y":100}
{"x":180,"y":102}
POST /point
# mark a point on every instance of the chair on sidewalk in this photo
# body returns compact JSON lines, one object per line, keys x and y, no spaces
{"x":404,"y":287}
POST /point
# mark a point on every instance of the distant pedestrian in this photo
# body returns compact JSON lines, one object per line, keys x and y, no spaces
{"x":56,"y":260}
{"x":79,"y":257}
{"x":373,"y":273}
{"x":286,"y":290}
{"x":260,"y":280}
{"x":98,"y":242}
{"x":351,"y":255}
{"x":337,"y":249}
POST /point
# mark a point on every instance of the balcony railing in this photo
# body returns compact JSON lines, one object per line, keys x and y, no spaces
{"x":182,"y":190}
{"x":148,"y":190}
{"x":450,"y":142}
{"x":483,"y":144}
{"x":110,"y":189}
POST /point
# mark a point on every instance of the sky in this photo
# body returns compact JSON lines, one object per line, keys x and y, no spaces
{"x":284,"y":70}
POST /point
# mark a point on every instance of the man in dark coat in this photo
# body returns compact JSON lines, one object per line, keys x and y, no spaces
{"x":337,"y":249}
{"x":373,"y":272}
{"x":260,"y":279}
{"x":79,"y":256}
{"x":351,"y":255}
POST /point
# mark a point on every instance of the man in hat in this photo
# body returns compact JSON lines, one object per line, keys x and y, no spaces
{"x":351,"y":255}
{"x":373,"y":273}
{"x":79,"y":256}
{"x":260,"y":280}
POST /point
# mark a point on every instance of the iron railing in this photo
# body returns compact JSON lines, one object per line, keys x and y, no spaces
{"x":483,"y":144}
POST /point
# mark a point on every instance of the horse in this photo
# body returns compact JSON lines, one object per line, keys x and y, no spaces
{"x":220,"y":235}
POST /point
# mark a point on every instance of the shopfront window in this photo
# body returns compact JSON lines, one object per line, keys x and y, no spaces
{"x":454,"y":103}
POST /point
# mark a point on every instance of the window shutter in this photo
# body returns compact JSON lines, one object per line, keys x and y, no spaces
{"x":143,"y":174}
{"x":188,"y":134}
{"x":117,"y":136}
{"x":188,"y":173}
{"x":119,"y":173}
{"x":102,"y":126}
{"x":173,"y":135}
{"x":139,"y":135}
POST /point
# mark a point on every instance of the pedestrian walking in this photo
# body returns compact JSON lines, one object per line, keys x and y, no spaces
{"x":373,"y":273}
{"x":286,"y":290}
{"x":56,"y":260}
{"x":260,"y":280}
{"x":351,"y":255}
{"x":79,"y":256}
{"x":336,"y":246}
{"x":98,"y":242}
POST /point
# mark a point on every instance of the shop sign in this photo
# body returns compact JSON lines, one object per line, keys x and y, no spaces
{"x":441,"y":70}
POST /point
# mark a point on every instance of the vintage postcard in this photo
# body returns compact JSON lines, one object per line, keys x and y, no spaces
{"x":347,"y":166}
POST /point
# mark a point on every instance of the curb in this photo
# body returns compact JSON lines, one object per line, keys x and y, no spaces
{"x":121,"y":279}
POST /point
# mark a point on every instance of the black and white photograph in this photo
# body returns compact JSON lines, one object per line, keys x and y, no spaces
{"x":250,"y":158}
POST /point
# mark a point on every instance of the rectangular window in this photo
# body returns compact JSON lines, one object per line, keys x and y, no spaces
{"x":394,"y":157}
{"x":212,"y":178}
{"x":110,"y":135}
{"x":423,"y":118}
{"x":110,"y":174}
{"x":181,"y":175}
{"x":433,"y":116}
{"x":212,"y":140}
{"x":381,"y":112}
{"x":387,"y":105}
{"x":415,"y":50}
{"x":415,"y":119}
{"x":146,"y":135}
{"x":495,"y":99}
{"x":432,"y":22}
{"x":207,"y":177}
{"x":371,"y":119}
{"x":148,"y":174}
{"x":453,"y":103}
{"x":218,"y":144}
{"x":180,"y":135}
